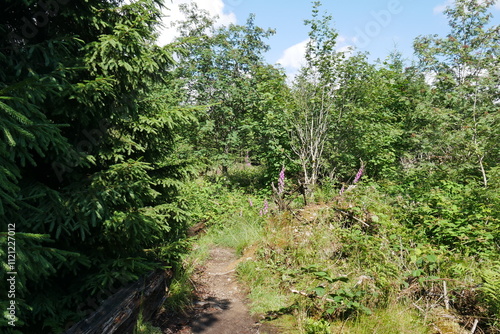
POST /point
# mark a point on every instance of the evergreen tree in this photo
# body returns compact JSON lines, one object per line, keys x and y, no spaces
{"x":89,"y":169}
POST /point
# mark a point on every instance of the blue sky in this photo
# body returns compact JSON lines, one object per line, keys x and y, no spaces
{"x":376,"y":26}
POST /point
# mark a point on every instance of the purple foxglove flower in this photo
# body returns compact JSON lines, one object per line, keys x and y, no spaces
{"x":281,"y":181}
{"x":358,"y":175}
{"x":265,"y":209}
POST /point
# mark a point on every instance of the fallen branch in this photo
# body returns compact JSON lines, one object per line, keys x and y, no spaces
{"x":311,"y":295}
{"x":350,"y":215}
{"x":445,"y":295}
{"x":476,"y":321}
{"x":419,"y":308}
{"x":221,"y":274}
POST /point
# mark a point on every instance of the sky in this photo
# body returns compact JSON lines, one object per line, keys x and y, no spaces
{"x":375,"y":26}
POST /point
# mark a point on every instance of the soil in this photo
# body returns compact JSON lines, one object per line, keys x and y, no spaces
{"x":219,"y":306}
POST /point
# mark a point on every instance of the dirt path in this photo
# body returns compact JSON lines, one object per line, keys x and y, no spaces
{"x":219,"y":307}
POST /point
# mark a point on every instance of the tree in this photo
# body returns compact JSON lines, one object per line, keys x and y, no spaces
{"x":453,"y":174}
{"x":465,"y":66}
{"x":222,"y":71}
{"x":313,"y":95}
{"x":89,"y":170}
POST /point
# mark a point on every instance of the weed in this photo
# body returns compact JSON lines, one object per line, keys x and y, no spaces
{"x":312,"y":326}
{"x":395,"y":319}
{"x":143,"y":327}
{"x":180,"y":291}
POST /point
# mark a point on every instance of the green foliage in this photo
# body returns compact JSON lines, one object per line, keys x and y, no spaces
{"x":91,"y":166}
{"x":374,"y":106}
{"x":383,"y":321}
{"x":465,"y":88}
{"x":320,"y":326}
{"x":341,"y":301}
{"x":224,"y":71}
{"x":101,"y":129}
{"x":181,"y":290}
{"x":145,"y":327}
{"x":462,"y":217}
{"x":265,"y":291}
{"x":491,"y":290}
{"x":340,"y":269}
{"x":232,"y":215}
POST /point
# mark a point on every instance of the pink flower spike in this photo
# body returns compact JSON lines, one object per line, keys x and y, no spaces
{"x":281,"y":181}
{"x":265,"y":209}
{"x":358,"y":175}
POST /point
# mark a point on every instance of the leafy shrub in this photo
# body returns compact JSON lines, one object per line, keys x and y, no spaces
{"x":459,"y":216}
{"x":312,"y":326}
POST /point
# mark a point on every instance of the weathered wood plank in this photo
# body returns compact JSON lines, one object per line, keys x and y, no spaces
{"x":119,"y":313}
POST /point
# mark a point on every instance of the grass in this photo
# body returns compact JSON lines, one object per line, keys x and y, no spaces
{"x":373,"y":253}
{"x":144,"y":327}
{"x":181,"y":289}
{"x":395,"y":319}
{"x":348,"y":266}
{"x":239,"y":231}
{"x":263,"y":287}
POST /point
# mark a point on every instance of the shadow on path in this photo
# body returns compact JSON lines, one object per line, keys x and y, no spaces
{"x":219,"y":306}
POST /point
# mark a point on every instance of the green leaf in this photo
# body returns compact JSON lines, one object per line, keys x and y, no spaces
{"x":320,"y":291}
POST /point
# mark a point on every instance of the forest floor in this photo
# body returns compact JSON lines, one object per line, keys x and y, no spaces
{"x":219,"y":306}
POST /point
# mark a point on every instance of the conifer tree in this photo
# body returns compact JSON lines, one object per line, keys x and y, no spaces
{"x":89,"y":171}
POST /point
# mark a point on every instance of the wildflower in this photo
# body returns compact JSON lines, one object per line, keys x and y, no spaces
{"x":250,"y":202}
{"x":356,"y":179}
{"x":265,"y":209}
{"x":359,"y":174}
{"x":281,"y":181}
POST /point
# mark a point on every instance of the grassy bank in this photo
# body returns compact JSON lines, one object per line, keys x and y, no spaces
{"x":341,"y":264}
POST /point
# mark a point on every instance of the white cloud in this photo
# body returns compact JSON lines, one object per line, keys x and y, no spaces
{"x":346,"y":45}
{"x":347,"y":49}
{"x":440,"y":8}
{"x":172,"y":14}
{"x":293,"y":58}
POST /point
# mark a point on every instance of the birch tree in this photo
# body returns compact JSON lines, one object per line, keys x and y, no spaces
{"x":313,"y":94}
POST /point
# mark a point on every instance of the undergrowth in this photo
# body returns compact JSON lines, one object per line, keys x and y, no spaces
{"x":228,"y":216}
{"x":350,"y":266}
{"x":350,"y":263}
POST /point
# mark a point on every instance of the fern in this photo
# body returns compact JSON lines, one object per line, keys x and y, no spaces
{"x":491,"y":290}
